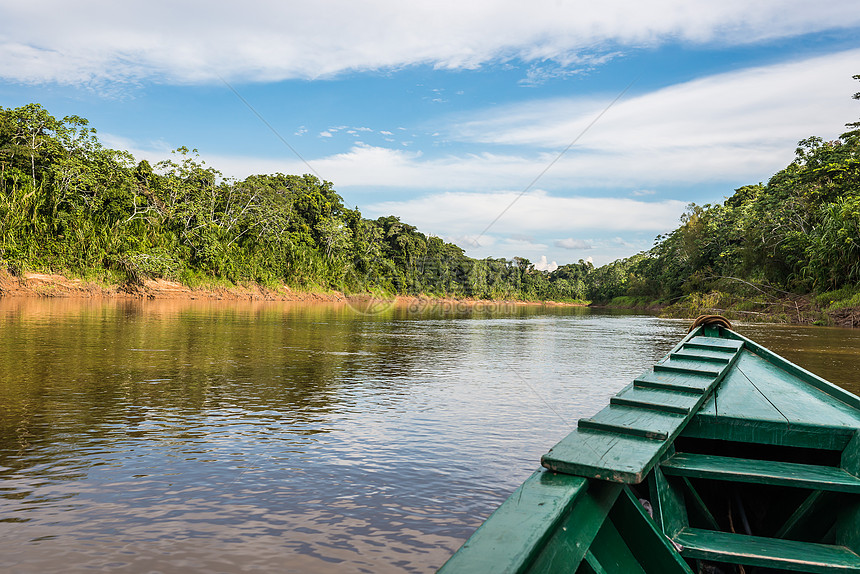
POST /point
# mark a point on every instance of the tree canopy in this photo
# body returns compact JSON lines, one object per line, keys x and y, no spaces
{"x":67,"y":203}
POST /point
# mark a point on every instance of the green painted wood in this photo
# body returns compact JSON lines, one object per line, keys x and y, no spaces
{"x":569,"y":542}
{"x":519,"y":529}
{"x":591,"y":565}
{"x":717,"y":355}
{"x":703,"y":355}
{"x":794,"y":399}
{"x":606,"y":456}
{"x":813,"y":517}
{"x":848,"y":525}
{"x":596,"y":449}
{"x":759,"y":397}
{"x":850,"y":459}
{"x":737,"y":397}
{"x":848,"y":521}
{"x":731,"y":345}
{"x":691,"y":366}
{"x":780,"y":433}
{"x":667,"y":502}
{"x":817,"y":382}
{"x":633,"y":421}
{"x":827,"y":478}
{"x":766,"y":552}
{"x":656,"y":399}
{"x":648,"y":544}
{"x":612,"y":551}
{"x":678,"y":382}
{"x":696,"y":507}
{"x":594,"y":425}
{"x":711,"y":330}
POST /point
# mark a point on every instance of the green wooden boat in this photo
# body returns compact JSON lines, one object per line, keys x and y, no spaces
{"x":721,"y":458}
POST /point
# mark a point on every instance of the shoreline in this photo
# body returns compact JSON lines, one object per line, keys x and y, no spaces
{"x":788,"y":310}
{"x":53,"y":285}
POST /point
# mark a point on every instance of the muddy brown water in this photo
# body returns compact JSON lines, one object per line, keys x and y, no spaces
{"x":182,"y":436}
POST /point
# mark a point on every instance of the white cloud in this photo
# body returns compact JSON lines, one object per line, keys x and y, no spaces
{"x":739,"y":128}
{"x":571,"y":243}
{"x":744,"y":123}
{"x":543,"y":265}
{"x":460,"y":213}
{"x":259,"y":40}
{"x":732,"y":108}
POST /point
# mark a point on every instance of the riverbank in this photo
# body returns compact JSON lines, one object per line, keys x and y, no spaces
{"x":57,"y":285}
{"x":836,"y":308}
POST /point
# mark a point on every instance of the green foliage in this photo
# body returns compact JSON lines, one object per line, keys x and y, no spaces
{"x":843,"y":298}
{"x":68,"y":204}
{"x":798,"y":233}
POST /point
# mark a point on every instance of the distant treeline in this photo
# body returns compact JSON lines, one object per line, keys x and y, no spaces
{"x":799,"y":233}
{"x":68,"y":204}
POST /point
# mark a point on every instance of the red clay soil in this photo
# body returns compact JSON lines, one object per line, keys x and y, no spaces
{"x":52,"y":285}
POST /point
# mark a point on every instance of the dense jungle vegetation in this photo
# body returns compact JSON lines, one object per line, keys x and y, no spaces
{"x":68,"y":204}
{"x":797,"y":234}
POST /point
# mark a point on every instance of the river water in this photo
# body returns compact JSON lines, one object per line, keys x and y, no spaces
{"x":165,"y":436}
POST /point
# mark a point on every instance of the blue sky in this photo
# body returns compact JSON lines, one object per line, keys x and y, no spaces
{"x":446,"y":113}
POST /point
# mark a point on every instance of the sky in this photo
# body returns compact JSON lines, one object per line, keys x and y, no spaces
{"x":551,"y":130}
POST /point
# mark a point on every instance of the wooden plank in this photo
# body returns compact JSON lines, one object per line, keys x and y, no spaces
{"x":511,"y":537}
{"x":766,"y":432}
{"x":652,"y":549}
{"x":794,"y":399}
{"x":680,"y":382}
{"x":702,"y":351}
{"x":591,"y":565}
{"x":827,"y":478}
{"x":667,"y":502}
{"x":693,"y":367}
{"x":621,"y":444}
{"x":697,"y":507}
{"x":633,"y":421}
{"x":848,"y":521}
{"x":706,"y":355}
{"x":611,"y":549}
{"x":813,"y":517}
{"x":656,"y":399}
{"x":737,"y":397}
{"x":611,"y":457}
{"x":766,"y":552}
{"x":568,"y":543}
{"x":817,"y":382}
{"x":731,"y":345}
{"x":594,"y":425}
{"x":850,"y":459}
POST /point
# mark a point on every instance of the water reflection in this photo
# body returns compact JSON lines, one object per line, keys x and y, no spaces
{"x":143,"y":436}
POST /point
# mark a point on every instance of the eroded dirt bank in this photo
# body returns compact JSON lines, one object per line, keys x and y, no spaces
{"x":54,"y":285}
